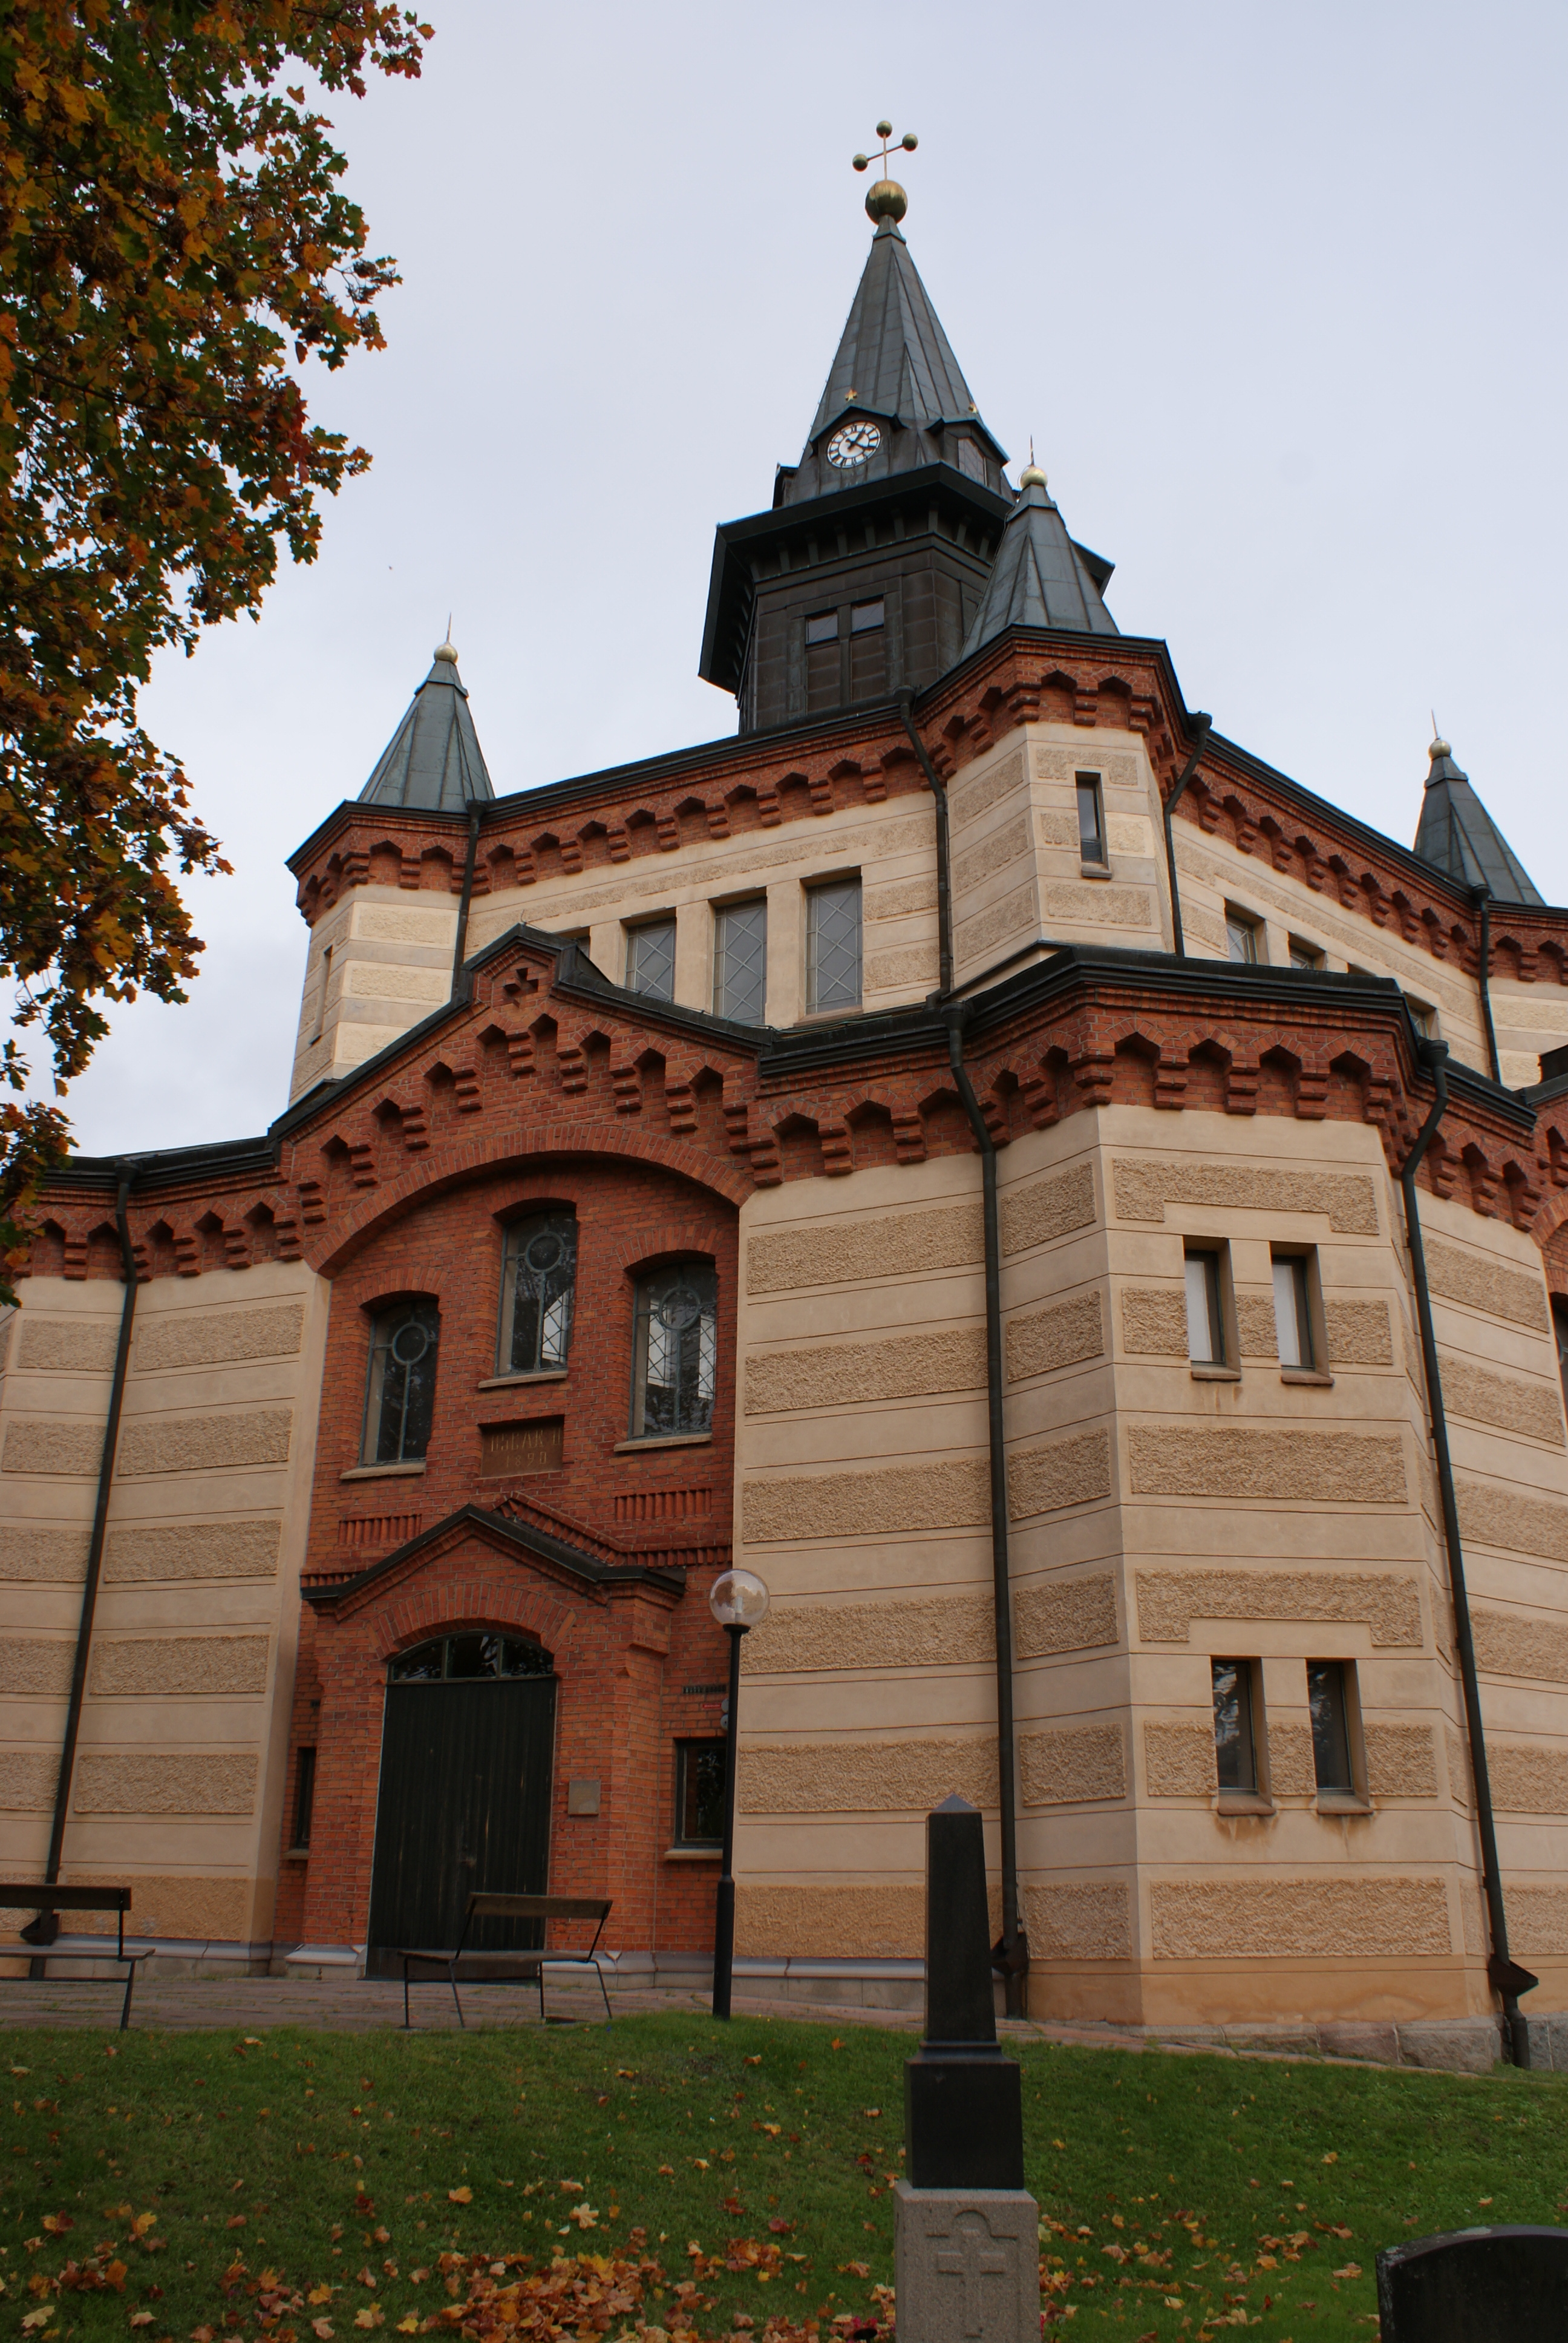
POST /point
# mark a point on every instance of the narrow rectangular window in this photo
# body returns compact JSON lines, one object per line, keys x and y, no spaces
{"x":824,"y":663}
{"x":675,"y":1351}
{"x":740,"y":962}
{"x":699,"y":1776}
{"x":1328,"y":1698}
{"x":833,"y":945}
{"x":868,"y":650}
{"x":304,"y":1796}
{"x":400,"y":1389}
{"x":1244,"y":939}
{"x":1304,"y":955}
{"x":650,"y":960}
{"x":1205,"y":1310}
{"x":1235,"y":1736}
{"x":538,"y":1285}
{"x":1092,"y":821}
{"x":321,"y":996}
{"x":1424,"y":1017}
{"x":1293,"y":1309}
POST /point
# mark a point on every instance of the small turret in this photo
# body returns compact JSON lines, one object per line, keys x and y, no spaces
{"x":1457,"y":834}
{"x":1040,"y":578}
{"x":434,"y":759}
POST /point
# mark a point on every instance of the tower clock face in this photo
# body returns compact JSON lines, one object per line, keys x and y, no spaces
{"x":852,"y":443}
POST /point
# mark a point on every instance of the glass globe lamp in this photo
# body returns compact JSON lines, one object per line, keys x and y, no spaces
{"x":737,"y":1598}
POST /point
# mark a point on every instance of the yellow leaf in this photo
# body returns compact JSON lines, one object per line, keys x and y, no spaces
{"x":460,"y":2196}
{"x":409,"y":2326}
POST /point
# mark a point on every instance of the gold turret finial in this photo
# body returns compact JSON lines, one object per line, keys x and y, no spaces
{"x":886,"y":199}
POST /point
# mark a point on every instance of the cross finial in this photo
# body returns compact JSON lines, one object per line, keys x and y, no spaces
{"x":886,"y":199}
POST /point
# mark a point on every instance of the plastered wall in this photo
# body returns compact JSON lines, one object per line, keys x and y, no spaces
{"x":183,"y":1738}
{"x":377,"y":963}
{"x":1159,"y":1519}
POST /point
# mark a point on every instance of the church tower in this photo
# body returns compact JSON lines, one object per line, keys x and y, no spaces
{"x":869,"y":574}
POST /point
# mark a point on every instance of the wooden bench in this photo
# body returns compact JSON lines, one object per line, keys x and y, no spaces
{"x":37,"y":1940}
{"x":502,"y":1966}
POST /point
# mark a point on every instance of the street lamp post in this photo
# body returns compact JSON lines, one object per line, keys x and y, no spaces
{"x":739,"y":1601}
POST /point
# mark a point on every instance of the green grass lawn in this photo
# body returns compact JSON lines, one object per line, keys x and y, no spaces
{"x":751,"y":2163}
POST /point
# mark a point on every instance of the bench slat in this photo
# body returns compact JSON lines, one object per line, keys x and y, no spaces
{"x":536,"y":1908}
{"x":35,"y":1898}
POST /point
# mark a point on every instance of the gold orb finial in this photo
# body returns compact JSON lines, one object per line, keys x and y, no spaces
{"x":886,"y":199}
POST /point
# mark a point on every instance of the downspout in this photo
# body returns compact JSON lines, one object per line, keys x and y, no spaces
{"x":944,"y":894}
{"x":1508,"y":1980}
{"x":1482,"y":895}
{"x":1012,"y":1953}
{"x":1202,"y":724}
{"x":47,"y":1927}
{"x":460,"y":946}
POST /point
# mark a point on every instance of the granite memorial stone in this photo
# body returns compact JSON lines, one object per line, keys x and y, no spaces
{"x":1475,"y":2286}
{"x":966,"y":2241}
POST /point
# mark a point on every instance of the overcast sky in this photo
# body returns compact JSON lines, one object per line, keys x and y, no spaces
{"x":1279,"y":293}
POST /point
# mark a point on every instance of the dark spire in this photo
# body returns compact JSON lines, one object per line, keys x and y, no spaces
{"x":1040,"y":578}
{"x":895,"y":369}
{"x":893,"y":356}
{"x":1457,"y":834}
{"x":433,"y":759}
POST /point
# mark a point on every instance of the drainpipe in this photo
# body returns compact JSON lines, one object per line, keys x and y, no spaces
{"x":1482,"y":896}
{"x":1507,"y":1979}
{"x":1201,"y":725}
{"x":47,"y":1927}
{"x":944,"y":894}
{"x":1012,"y":1954}
{"x":459,"y":949}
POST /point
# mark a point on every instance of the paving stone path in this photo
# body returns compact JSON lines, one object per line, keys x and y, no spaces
{"x":352,"y":2006}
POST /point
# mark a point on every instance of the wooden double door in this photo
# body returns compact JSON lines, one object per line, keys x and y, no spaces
{"x":463,"y":1804}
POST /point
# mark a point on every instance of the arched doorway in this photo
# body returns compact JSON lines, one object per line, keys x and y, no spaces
{"x":466,"y":1751}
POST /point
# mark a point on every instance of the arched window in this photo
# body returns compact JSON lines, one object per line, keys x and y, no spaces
{"x":675,"y":1351}
{"x":538,"y":1284}
{"x":400,"y":1393}
{"x":470,"y":1658}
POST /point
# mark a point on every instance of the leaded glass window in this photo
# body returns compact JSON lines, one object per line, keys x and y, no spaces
{"x":466,"y":1658}
{"x":538,"y":1283}
{"x":650,"y":960}
{"x":401,"y":1395}
{"x":833,"y":945}
{"x":740,"y":962}
{"x":702,"y":1767}
{"x":675,"y":1351}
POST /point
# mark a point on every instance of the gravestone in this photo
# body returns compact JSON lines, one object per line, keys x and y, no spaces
{"x":1475,"y":2286}
{"x":967,"y":2239}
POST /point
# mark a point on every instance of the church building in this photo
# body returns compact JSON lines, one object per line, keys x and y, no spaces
{"x":1079,"y":1215}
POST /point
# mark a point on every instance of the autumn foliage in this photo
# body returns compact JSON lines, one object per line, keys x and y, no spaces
{"x":174,"y":244}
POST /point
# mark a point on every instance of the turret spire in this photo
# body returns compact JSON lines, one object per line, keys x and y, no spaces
{"x":433,"y":759}
{"x":1457,"y":834}
{"x":1040,"y":578}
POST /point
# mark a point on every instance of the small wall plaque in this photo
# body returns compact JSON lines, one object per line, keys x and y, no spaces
{"x":582,"y":1798}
